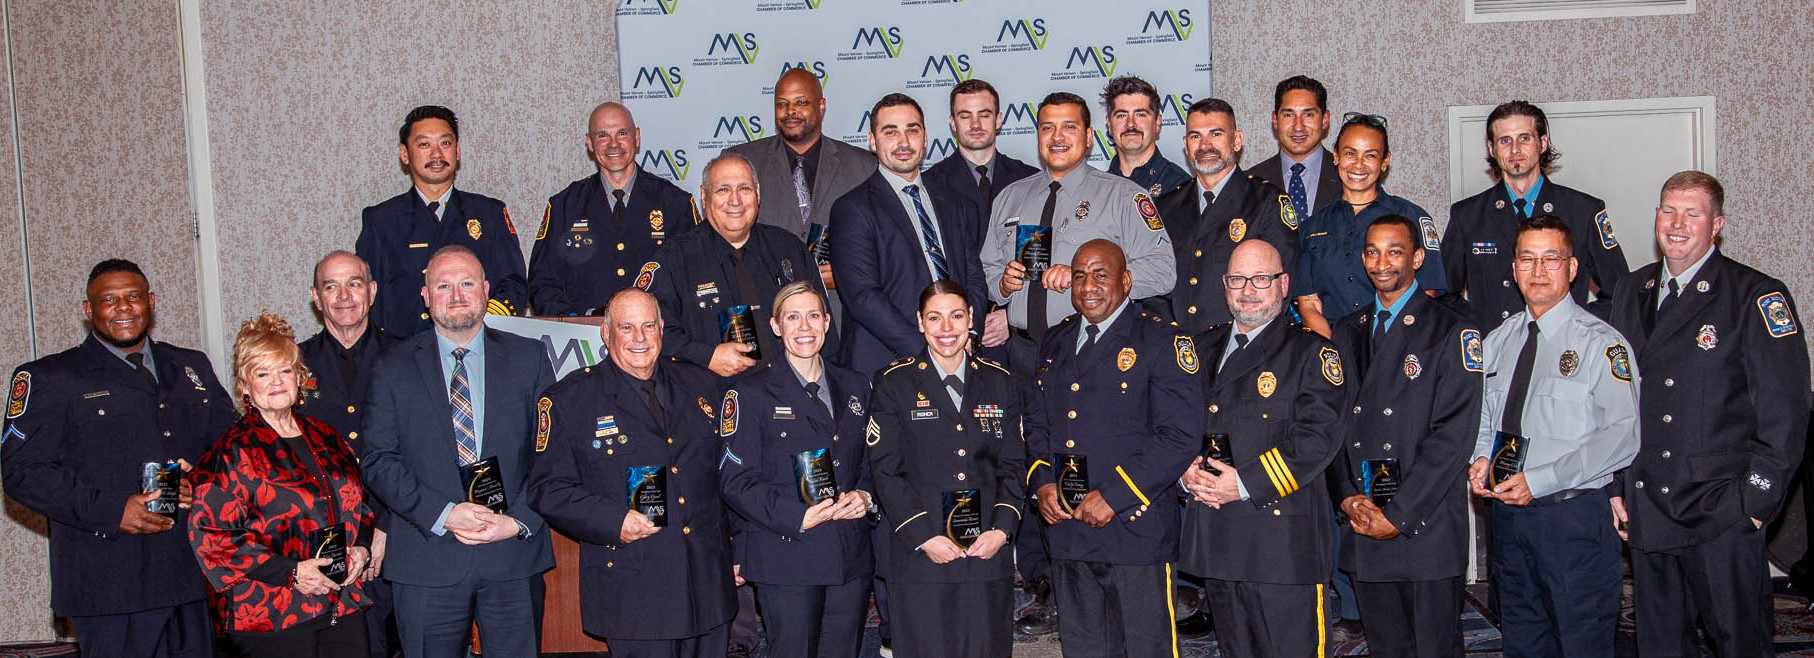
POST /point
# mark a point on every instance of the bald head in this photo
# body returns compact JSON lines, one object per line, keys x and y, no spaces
{"x":1100,"y":281}
{"x":799,"y":108}
{"x":632,"y":331}
{"x":1255,"y":262}
{"x":613,"y":139}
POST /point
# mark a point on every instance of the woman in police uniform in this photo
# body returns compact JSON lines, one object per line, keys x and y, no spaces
{"x":947,"y":455}
{"x":805,"y":539}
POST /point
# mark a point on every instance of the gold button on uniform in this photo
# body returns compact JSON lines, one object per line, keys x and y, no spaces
{"x":674,"y":469}
{"x":425,"y":315}
{"x":1192,"y":310}
{"x":1070,"y":443}
{"x":1276,"y":513}
{"x":349,"y":408}
{"x":1070,"y":414}
{"x":1199,"y":253}
{"x":1215,"y":408}
{"x":620,"y":246}
{"x":683,"y":500}
{"x":1074,"y":386}
{"x":686,"y":529}
{"x":620,"y":271}
{"x":1193,"y":280}
{"x":352,"y":435}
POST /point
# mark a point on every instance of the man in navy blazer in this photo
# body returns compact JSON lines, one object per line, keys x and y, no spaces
{"x":893,"y":237}
{"x":440,"y":400}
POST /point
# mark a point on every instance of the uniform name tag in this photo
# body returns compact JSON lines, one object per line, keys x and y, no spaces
{"x":784,"y":413}
{"x":925,"y":414}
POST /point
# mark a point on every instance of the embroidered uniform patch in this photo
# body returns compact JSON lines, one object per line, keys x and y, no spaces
{"x":1472,"y":355}
{"x":1332,"y":365}
{"x":1607,"y":239}
{"x":1432,"y":241}
{"x":1186,"y":350}
{"x":1287,"y":214}
{"x":1618,"y":360}
{"x":1777,"y":316}
{"x":1149,"y":212}
{"x":646,"y":277}
{"x":20,"y":395}
{"x":727,"y":418}
{"x":543,"y":423}
{"x":872,"y":432}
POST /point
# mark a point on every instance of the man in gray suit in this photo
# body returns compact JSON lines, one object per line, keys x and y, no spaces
{"x":801,"y":173}
{"x":445,"y":404}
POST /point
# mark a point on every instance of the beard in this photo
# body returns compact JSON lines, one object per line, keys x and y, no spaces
{"x":1259,"y":316}
{"x":460,"y":322}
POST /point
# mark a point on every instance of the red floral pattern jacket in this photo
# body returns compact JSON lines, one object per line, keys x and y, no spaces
{"x":255,"y":505}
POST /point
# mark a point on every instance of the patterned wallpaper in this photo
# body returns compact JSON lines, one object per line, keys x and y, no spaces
{"x":304,"y":100}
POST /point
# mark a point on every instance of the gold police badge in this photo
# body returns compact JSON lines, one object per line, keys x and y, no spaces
{"x":1267,"y":384}
{"x":1125,"y":359}
{"x":1237,"y":229}
{"x":656,"y":222}
{"x":473,"y":228}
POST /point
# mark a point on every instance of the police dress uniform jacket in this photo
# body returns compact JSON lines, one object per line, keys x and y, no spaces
{"x":1416,"y":399}
{"x":768,"y":420}
{"x":840,"y":168}
{"x":693,"y":278}
{"x":1130,"y":407}
{"x":397,"y":238}
{"x":1328,"y":187}
{"x":956,"y":176}
{"x":1248,"y":208}
{"x":1724,"y":413}
{"x":923,"y":449}
{"x":595,"y":425}
{"x":1157,"y":176}
{"x":258,"y":504}
{"x":1481,"y":241}
{"x":1278,"y":401}
{"x":583,"y":252}
{"x":881,"y":268}
{"x":1091,"y":204}
{"x":80,"y":426}
{"x":1334,"y":240}
{"x":410,"y":460}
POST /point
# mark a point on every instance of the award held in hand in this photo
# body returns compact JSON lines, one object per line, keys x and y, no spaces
{"x":813,"y":472}
{"x":166,"y":480}
{"x":1379,"y":479}
{"x":1215,"y":446}
{"x":818,"y":243}
{"x":330,"y":543}
{"x":649,"y":492}
{"x":485,"y":484}
{"x":963,"y":516}
{"x":737,"y":324}
{"x":1033,"y":248}
{"x":1507,"y":460}
{"x":1073,"y":480}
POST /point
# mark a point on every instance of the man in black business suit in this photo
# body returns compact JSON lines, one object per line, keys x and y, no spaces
{"x":803,"y":172}
{"x":895,"y":238}
{"x":441,"y":400}
{"x":1300,"y":121}
{"x":974,"y":174}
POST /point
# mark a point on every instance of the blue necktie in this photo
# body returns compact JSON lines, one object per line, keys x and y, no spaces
{"x":459,"y":393}
{"x":929,"y":236}
{"x":1299,"y":200}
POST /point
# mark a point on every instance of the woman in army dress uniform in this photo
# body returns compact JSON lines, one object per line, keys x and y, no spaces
{"x":794,"y":470}
{"x":946,"y":452}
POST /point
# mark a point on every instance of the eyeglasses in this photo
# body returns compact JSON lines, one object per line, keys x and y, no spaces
{"x":1527,"y":263}
{"x":1260,"y":281}
{"x":1375,"y":120}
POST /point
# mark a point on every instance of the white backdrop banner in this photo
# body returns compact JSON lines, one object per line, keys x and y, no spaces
{"x":570,"y":346}
{"x":699,"y":74}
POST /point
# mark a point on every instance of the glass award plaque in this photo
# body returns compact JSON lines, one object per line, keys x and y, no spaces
{"x":1507,"y":459}
{"x":649,"y":492}
{"x":1379,"y":480}
{"x":1033,"y":248}
{"x":164,"y":478}
{"x":818,"y":243}
{"x":963,"y":516}
{"x":485,"y":484}
{"x":1073,"y":480}
{"x":330,"y":543}
{"x":737,"y":324}
{"x":1215,"y":446}
{"x":813,"y":472}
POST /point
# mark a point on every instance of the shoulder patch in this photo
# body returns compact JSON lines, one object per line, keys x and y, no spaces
{"x":1332,"y":365}
{"x":646,"y":277}
{"x":20,"y":394}
{"x":1778,"y":318}
{"x":1618,"y":360}
{"x":1472,"y":357}
{"x":1186,"y":350}
{"x":543,"y":422}
{"x":727,"y":418}
{"x":1432,"y":241}
{"x":1607,"y":239}
{"x":1287,"y":214}
{"x":509,"y":225}
{"x":547,"y":215}
{"x":1148,"y":211}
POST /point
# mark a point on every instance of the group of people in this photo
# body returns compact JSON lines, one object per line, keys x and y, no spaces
{"x":1118,"y":390}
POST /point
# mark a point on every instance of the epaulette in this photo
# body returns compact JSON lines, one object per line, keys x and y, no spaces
{"x":989,"y":363}
{"x":905,"y":360}
{"x":1066,"y":319}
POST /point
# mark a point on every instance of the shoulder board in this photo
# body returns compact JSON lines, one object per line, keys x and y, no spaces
{"x":898,"y":363}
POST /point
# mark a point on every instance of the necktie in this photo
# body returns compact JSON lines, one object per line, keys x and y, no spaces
{"x":812,"y":391}
{"x":655,"y":411}
{"x":984,"y":187}
{"x":1675,"y":291}
{"x":1089,"y":343}
{"x":1209,"y":200}
{"x":1300,"y":200}
{"x":434,"y":208}
{"x":1512,"y":421}
{"x":1379,"y":330}
{"x":1036,"y":291}
{"x":459,"y":395}
{"x":137,"y":359}
{"x":617,"y":204}
{"x":1240,"y":343}
{"x":803,"y":192}
{"x":929,"y":235}
{"x":349,"y":368}
{"x":955,"y":388}
{"x":748,"y":294}
{"x":1519,"y":205}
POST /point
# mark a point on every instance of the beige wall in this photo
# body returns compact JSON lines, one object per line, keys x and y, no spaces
{"x":304,"y":102}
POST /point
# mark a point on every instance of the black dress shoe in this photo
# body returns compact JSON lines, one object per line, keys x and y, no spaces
{"x":1348,"y":630}
{"x":1197,"y":626}
{"x":1041,"y":616}
{"x":737,"y":652}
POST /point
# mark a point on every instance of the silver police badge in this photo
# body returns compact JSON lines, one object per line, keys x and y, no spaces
{"x":1570,"y":361}
{"x":1549,"y":207}
{"x":1083,"y":209}
{"x":1499,"y":205}
{"x":1413,"y":367}
{"x":1154,"y":190}
{"x":1707,"y":339}
{"x":1701,"y":287}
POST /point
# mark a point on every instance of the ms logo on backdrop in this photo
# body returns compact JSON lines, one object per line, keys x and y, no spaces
{"x":1088,"y":62}
{"x":943,"y":71}
{"x":730,"y":48}
{"x":733,"y":130}
{"x":655,"y":82}
{"x":670,"y":164}
{"x":1169,"y":26}
{"x":647,"y":7}
{"x":874,"y":43}
{"x":815,"y":67}
{"x":1019,"y":35}
{"x":1019,"y":119}
{"x":1172,"y":108}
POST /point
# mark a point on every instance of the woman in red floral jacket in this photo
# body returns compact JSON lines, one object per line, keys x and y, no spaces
{"x":280,"y":523}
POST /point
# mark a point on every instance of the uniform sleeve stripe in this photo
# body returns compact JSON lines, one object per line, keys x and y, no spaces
{"x":1130,"y":485}
{"x":1011,"y":508}
{"x":909,"y":520}
{"x":1036,"y":464}
{"x":1272,"y":472}
{"x":1290,"y":480}
{"x":1281,"y":473}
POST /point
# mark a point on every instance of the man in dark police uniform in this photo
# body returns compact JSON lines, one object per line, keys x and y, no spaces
{"x":598,"y":231}
{"x":81,"y":427}
{"x":398,"y":236}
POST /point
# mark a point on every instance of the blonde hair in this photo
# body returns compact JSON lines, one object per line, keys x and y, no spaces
{"x":798,"y":288}
{"x":261,"y":340}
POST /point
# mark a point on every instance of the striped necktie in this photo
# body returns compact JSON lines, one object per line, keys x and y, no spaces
{"x":459,"y":393}
{"x":929,"y":235}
